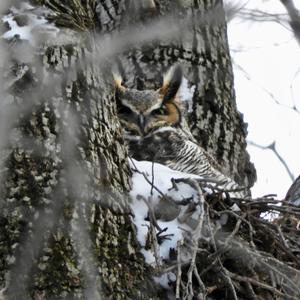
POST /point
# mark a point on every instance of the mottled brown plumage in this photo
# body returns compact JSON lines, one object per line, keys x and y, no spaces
{"x":155,"y":130}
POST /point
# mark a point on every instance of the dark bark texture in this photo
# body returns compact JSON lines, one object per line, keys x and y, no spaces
{"x":64,"y":218}
{"x":65,"y":227}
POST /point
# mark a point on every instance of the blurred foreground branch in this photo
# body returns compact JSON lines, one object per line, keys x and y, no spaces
{"x":294,"y":17}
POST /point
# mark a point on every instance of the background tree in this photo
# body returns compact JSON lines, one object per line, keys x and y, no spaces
{"x":260,"y":88}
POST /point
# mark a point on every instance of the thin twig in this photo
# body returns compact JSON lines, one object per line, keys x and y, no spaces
{"x":270,"y":94}
{"x":179,"y":272}
{"x":152,"y":182}
{"x":272,"y":147}
{"x":235,"y":230}
{"x":146,"y":178}
{"x":224,"y":272}
{"x":262,"y":285}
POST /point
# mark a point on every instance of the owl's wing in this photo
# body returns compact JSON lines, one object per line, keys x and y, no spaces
{"x":176,"y":150}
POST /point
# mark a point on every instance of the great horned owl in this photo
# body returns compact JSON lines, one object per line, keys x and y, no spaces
{"x":155,"y":130}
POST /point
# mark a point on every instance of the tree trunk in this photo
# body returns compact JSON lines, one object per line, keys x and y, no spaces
{"x":65,"y":226}
{"x":199,"y":43}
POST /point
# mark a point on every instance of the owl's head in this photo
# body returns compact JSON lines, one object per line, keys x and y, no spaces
{"x":142,"y":112}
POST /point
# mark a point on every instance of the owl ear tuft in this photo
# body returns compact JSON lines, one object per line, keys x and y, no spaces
{"x":118,"y":81}
{"x":171,"y":83}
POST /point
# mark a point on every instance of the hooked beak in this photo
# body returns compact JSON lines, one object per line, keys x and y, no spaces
{"x":141,"y":123}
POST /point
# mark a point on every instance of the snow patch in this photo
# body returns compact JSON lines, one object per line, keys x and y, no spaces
{"x":186,"y":94}
{"x":186,"y":91}
{"x":165,"y":279}
{"x":144,"y":195}
{"x":35,"y":21}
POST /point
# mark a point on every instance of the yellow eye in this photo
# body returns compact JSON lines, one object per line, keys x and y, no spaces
{"x":160,"y":111}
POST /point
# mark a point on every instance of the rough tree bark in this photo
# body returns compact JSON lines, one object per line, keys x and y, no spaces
{"x":65,"y":227}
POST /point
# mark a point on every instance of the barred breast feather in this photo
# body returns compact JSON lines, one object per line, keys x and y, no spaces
{"x":173,"y":148}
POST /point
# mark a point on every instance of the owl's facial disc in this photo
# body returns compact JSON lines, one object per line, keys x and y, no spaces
{"x":142,"y":112}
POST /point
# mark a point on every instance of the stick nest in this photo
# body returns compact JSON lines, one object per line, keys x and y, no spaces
{"x":254,"y":255}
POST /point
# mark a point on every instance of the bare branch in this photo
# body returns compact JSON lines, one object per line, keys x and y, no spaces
{"x":270,"y":94}
{"x":294,"y":17}
{"x":272,"y":147}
